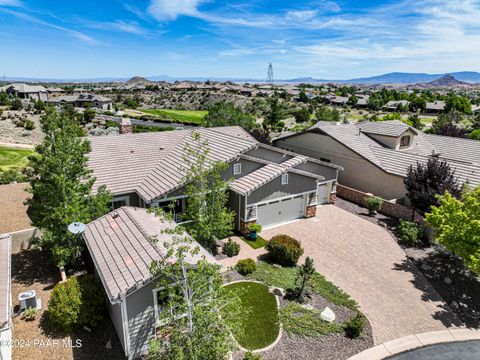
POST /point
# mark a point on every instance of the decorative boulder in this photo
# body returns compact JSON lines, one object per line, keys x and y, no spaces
{"x":327,"y":315}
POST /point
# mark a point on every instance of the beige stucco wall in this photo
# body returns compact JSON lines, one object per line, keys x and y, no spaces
{"x":358,"y":173}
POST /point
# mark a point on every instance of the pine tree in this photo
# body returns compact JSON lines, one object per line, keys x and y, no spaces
{"x":305,"y":272}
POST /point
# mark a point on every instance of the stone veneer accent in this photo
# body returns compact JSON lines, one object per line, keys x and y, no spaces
{"x":125,"y":127}
{"x":333,"y":197}
{"x":244,"y":224}
{"x":311,"y":211}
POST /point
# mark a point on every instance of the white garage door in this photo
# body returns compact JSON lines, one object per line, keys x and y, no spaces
{"x":280,"y":211}
{"x":323,"y":193}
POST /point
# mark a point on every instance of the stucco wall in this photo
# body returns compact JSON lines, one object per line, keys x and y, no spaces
{"x":358,"y":173}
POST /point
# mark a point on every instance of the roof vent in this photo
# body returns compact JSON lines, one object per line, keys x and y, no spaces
{"x":359,"y":131}
{"x":131,"y":151}
{"x":115,"y":215}
{"x":161,"y":148}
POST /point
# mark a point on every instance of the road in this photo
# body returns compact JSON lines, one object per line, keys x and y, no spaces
{"x":467,"y":350}
{"x":117,"y":119}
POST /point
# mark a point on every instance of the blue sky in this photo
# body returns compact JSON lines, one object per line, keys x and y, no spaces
{"x":323,"y":39}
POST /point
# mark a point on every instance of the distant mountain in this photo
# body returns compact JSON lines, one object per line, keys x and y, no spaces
{"x":138,"y":80}
{"x":390,"y":78}
{"x":445,"y":81}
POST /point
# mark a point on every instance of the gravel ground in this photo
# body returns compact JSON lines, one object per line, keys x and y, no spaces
{"x":329,"y":347}
{"x":13,"y":213}
{"x":32,"y":270}
{"x":459,"y":287}
{"x":10,"y":133}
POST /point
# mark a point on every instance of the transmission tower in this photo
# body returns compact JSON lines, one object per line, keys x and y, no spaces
{"x":270,"y":73}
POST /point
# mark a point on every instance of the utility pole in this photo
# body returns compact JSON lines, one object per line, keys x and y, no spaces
{"x":270,"y":73}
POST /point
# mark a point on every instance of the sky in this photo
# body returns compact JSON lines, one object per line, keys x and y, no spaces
{"x":68,"y":39}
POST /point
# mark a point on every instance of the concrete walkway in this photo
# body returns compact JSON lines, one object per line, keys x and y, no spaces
{"x":362,"y":258}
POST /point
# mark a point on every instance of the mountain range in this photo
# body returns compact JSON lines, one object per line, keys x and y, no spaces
{"x":389,"y":78}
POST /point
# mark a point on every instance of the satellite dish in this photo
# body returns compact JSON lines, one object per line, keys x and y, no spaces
{"x":76,"y":228}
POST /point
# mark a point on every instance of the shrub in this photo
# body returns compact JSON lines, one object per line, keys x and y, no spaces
{"x":411,"y":233}
{"x":252,"y":356}
{"x":246,"y":266}
{"x":475,"y":134}
{"x":29,"y":314}
{"x":284,"y":250}
{"x":231,"y":248}
{"x":254,"y":227}
{"x":29,"y":125}
{"x":80,"y":301}
{"x":373,"y":204}
{"x":354,"y":327}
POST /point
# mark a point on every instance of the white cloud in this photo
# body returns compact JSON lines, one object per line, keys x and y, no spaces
{"x":16,"y":3}
{"x":166,"y":10}
{"x":301,"y":15}
{"x":130,"y":27}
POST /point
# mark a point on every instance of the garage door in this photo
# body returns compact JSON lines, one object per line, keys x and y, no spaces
{"x":323,"y":193}
{"x":280,"y":211}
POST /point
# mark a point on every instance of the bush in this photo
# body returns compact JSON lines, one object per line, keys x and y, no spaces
{"x":284,"y":250}
{"x":354,"y":327}
{"x":80,"y":301}
{"x":246,"y":266}
{"x":252,"y":356}
{"x":231,"y":248}
{"x":411,"y":233}
{"x":254,"y":227}
{"x":373,"y":204}
{"x":29,"y":125}
{"x":30,"y":314}
{"x":475,"y":134}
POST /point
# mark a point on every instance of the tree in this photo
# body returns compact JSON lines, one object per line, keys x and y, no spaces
{"x":302,"y":115}
{"x":446,"y":125}
{"x":414,"y":121}
{"x":324,"y":113}
{"x":303,"y":97}
{"x":227,"y":114}
{"x":273,"y":118}
{"x":62,"y":186}
{"x":88,"y":114}
{"x":458,"y":103}
{"x":457,"y":224}
{"x":304,"y":273}
{"x":206,"y":193}
{"x":201,"y":313}
{"x":475,"y":134}
{"x":16,"y":104}
{"x":425,"y":182}
{"x":4,"y":99}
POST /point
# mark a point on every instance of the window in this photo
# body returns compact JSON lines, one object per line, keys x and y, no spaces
{"x":120,"y":201}
{"x":325,"y":160}
{"x":284,"y":179}
{"x":237,"y":169}
{"x":405,"y":140}
{"x":161,"y":300}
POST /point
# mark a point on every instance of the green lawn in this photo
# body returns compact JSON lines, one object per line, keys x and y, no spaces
{"x":258,"y":243}
{"x":13,"y":158}
{"x":284,"y":277}
{"x":260,"y":322}
{"x":188,"y":116}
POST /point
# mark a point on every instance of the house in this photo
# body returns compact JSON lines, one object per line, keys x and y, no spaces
{"x":96,"y":101}
{"x":25,"y":91}
{"x":396,"y":105}
{"x":435,"y":107}
{"x":267,"y":185}
{"x":121,"y":251}
{"x":376,"y":155}
{"x":55,"y":91}
{"x":362,"y":101}
{"x":5,"y":297}
{"x":336,"y":100}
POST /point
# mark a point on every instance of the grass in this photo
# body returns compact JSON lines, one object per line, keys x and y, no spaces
{"x":258,"y":243}
{"x":183,"y":116}
{"x":284,"y":277}
{"x":306,"y":322}
{"x":11,"y":158}
{"x":260,"y":320}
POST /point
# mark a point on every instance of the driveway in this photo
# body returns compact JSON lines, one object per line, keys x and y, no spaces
{"x":362,"y":258}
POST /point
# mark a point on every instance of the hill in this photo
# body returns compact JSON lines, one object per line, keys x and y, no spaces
{"x":138,"y":80}
{"x":445,"y":81}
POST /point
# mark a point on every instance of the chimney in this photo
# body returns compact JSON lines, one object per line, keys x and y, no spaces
{"x":125,"y":126}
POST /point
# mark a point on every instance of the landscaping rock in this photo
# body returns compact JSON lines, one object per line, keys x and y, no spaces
{"x":108,"y":345}
{"x":308,"y":306}
{"x":447,"y":281}
{"x":328,"y":315}
{"x":86,"y":328}
{"x":426,"y":267}
{"x":277,"y":291}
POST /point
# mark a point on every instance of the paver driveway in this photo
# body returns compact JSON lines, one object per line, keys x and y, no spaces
{"x":362,"y":258}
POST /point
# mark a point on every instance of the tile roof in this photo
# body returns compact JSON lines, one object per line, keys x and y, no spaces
{"x":120,"y":246}
{"x":463,"y":155}
{"x":5,"y":279}
{"x":387,"y":128}
{"x":436,"y":105}
{"x":24,"y":88}
{"x":251,"y":182}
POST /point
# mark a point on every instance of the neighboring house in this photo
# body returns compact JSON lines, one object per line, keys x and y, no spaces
{"x":376,"y":155}
{"x":435,"y":107}
{"x":336,"y":100}
{"x":5,"y":297}
{"x":362,"y":100}
{"x":395,"y":105}
{"x":25,"y":91}
{"x":55,"y":91}
{"x":268,"y":185}
{"x":120,"y":246}
{"x":96,"y":101}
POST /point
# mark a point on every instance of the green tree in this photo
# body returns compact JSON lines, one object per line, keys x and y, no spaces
{"x":457,"y":224}
{"x":273,"y":119}
{"x":200,"y":312}
{"x":227,"y":114}
{"x":62,"y":186}
{"x":424,"y":182}
{"x":458,"y":103}
{"x":88,"y":114}
{"x":16,"y":104}
{"x":304,"y":273}
{"x":303,"y":97}
{"x":475,"y":134}
{"x":4,"y":99}
{"x":414,"y":121}
{"x":302,"y":115}
{"x":206,"y":194}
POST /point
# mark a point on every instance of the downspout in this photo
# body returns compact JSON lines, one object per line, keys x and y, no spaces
{"x":126,"y":330}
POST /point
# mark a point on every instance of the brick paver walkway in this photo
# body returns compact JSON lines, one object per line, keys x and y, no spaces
{"x":246,"y":251}
{"x":362,"y":258}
